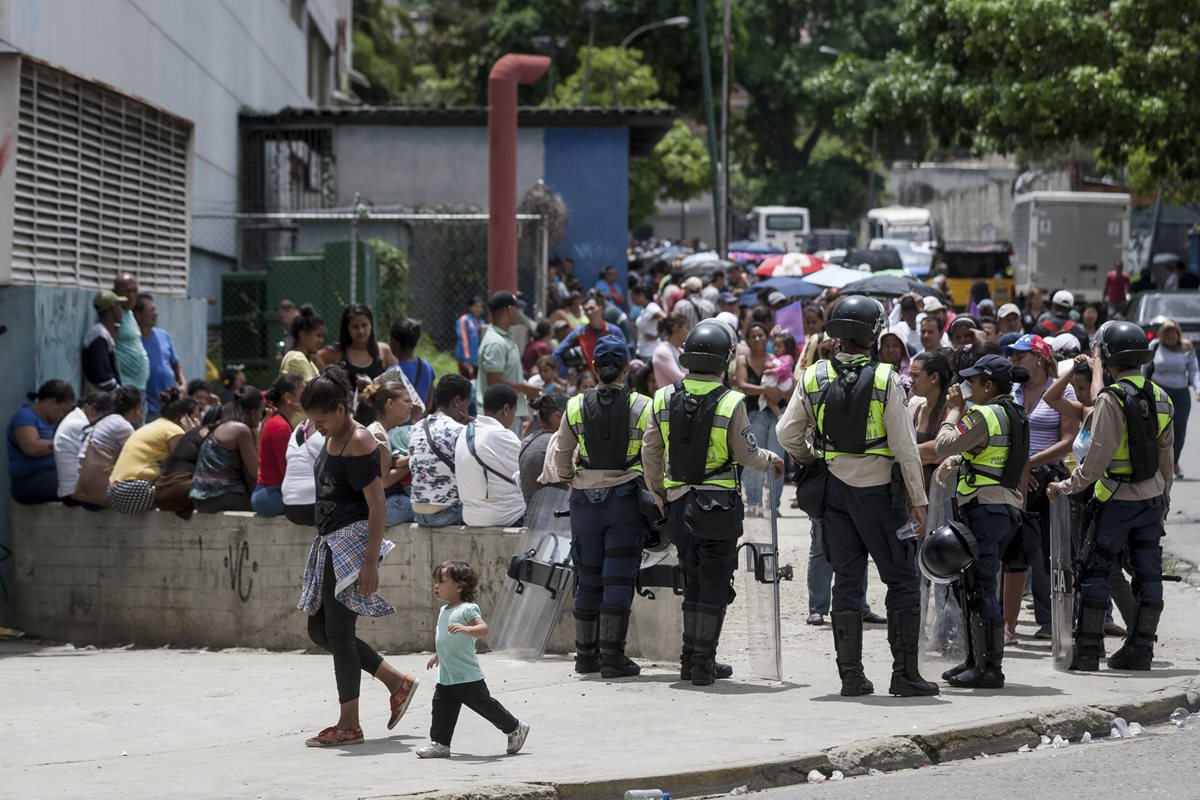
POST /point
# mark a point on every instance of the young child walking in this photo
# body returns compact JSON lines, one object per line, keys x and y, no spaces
{"x":460,"y":680}
{"x":342,"y":572}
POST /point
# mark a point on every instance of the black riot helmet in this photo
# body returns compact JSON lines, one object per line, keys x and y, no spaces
{"x":856,"y":319}
{"x":708,"y":348}
{"x":947,"y":553}
{"x":1124,"y":345}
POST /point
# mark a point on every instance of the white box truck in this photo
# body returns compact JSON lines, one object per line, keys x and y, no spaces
{"x":1068,"y":240}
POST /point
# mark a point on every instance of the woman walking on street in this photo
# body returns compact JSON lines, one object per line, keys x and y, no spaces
{"x":342,"y":573}
{"x":1174,"y":368}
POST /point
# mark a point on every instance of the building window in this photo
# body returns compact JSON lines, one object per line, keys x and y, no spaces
{"x":298,"y":7}
{"x":101,"y":186}
{"x":319,"y":62}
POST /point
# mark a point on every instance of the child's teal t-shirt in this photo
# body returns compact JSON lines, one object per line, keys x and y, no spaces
{"x":457,"y":662}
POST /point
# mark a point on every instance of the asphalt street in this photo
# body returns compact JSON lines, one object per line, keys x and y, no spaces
{"x":1160,"y":763}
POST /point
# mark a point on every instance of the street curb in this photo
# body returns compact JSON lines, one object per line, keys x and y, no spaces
{"x":886,"y":754}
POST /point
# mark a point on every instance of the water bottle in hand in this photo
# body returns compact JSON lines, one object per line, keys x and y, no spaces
{"x":908,"y":531}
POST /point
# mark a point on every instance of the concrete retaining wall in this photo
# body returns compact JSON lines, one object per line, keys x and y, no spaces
{"x":232,"y":580}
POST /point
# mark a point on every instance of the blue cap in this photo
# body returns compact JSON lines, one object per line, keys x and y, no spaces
{"x":997,"y":368}
{"x":1008,"y":339}
{"x":611,"y":349}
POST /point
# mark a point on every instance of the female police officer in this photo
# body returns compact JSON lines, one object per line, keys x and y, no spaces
{"x":993,"y":438}
{"x":598,"y":449}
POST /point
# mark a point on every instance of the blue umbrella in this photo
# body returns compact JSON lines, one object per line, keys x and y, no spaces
{"x":790,"y":286}
{"x":751,"y":246}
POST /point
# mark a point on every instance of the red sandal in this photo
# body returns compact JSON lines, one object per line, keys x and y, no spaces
{"x":401,"y":699}
{"x":334,"y":736}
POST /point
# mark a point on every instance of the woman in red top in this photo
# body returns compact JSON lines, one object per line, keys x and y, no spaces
{"x":284,"y":397}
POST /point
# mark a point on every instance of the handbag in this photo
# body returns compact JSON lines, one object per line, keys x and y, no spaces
{"x":172,"y":493}
{"x":94,"y":470}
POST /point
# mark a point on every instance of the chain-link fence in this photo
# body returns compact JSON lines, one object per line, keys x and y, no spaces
{"x":427,"y":266}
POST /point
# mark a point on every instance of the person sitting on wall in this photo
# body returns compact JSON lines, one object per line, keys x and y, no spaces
{"x":30,"y":438}
{"x":487,"y":463}
{"x":131,"y":486}
{"x":431,"y":449}
{"x":228,"y":464}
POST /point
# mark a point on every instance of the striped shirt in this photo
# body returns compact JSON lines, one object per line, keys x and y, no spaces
{"x":1044,"y":421}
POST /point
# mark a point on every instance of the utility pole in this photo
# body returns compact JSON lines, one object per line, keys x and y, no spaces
{"x":726,"y":84}
{"x":706,"y":76}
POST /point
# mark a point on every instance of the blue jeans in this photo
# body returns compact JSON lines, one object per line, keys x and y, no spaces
{"x":447,"y":516}
{"x":399,"y":509}
{"x":763,"y":422}
{"x":267,"y":501}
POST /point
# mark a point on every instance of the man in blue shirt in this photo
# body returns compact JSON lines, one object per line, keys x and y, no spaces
{"x":165,"y":369}
{"x":466,"y":338}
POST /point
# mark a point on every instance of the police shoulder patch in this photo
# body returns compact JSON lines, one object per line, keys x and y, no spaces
{"x":968,"y":422}
{"x":751,"y":439}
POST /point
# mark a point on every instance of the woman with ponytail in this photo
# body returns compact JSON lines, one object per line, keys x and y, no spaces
{"x":228,"y":462}
{"x":392,"y":407}
{"x":308,"y":332}
{"x":131,"y":484}
{"x":283,"y":400}
{"x":342,"y":573}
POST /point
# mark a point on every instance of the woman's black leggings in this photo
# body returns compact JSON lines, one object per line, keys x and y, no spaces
{"x":332,"y":629}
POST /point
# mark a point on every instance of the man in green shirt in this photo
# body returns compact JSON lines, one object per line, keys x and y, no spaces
{"x":132,"y":359}
{"x":499,"y":358}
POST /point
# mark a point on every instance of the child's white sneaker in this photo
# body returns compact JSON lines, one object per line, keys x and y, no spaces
{"x":435,"y":750}
{"x":516,"y":739}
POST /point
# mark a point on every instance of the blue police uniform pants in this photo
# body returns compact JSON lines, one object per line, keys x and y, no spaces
{"x":1138,"y":525}
{"x":860,"y":521}
{"x":606,"y":547}
{"x":707,"y":564}
{"x":994,"y":526}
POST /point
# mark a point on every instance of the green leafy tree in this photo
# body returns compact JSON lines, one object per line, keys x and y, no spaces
{"x":1030,"y":75}
{"x":381,"y":52}
{"x":678,"y":169}
{"x":617,"y":77}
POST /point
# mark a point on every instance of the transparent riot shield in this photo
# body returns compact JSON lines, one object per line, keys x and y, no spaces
{"x":942,"y":636}
{"x":656,"y":624}
{"x":1062,"y":581}
{"x":757,"y":581}
{"x":540,"y":580}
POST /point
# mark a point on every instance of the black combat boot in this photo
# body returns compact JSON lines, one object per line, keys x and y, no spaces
{"x":614,"y":622}
{"x":847,"y":641}
{"x":1089,"y":636}
{"x":991,"y":676}
{"x":904,"y":630}
{"x":587,"y":634}
{"x":689,"y":636}
{"x":708,"y":625}
{"x":1138,"y":650}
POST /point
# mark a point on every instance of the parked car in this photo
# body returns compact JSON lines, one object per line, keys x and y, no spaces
{"x":829,"y":239}
{"x":1151,"y":309}
{"x":916,"y":259}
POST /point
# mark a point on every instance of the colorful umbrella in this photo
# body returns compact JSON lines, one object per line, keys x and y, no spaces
{"x":834,"y":277}
{"x":791,"y":264}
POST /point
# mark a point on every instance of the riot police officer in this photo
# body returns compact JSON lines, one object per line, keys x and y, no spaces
{"x":1130,"y":461}
{"x":993,"y":438}
{"x":696,"y":444}
{"x":598,"y":449}
{"x":855,"y":409}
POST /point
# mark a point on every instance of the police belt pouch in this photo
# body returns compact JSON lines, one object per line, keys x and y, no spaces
{"x":897,"y":490}
{"x":713,"y":514}
{"x":812,"y":484}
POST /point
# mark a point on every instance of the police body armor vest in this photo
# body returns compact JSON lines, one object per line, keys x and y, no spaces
{"x":848,"y":400}
{"x":1003,"y":458}
{"x":608,"y":423}
{"x":694,"y":417}
{"x":1148,"y":412}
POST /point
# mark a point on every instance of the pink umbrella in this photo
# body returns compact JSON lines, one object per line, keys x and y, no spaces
{"x":794,"y":264}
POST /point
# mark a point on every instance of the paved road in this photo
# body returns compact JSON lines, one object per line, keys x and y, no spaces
{"x":1161,"y":763}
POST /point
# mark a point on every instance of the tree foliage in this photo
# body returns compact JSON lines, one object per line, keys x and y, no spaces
{"x":1026,"y":75}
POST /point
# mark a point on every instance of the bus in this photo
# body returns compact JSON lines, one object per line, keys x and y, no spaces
{"x":785,"y":227}
{"x":914,"y":225}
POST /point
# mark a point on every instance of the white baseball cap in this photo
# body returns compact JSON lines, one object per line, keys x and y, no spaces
{"x":1007,"y":309}
{"x":1063,"y":298}
{"x":1064,"y":345}
{"x":933,"y":304}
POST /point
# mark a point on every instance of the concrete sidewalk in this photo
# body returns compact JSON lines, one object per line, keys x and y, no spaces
{"x":191,"y":724}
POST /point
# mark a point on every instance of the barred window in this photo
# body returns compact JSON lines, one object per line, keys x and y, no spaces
{"x":101,"y":186}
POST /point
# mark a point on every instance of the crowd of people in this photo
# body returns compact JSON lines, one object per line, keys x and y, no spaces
{"x":357,"y":434}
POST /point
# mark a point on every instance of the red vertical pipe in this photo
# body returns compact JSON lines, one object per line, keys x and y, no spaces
{"x":506,"y":74}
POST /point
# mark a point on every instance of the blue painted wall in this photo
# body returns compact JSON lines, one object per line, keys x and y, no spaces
{"x":589,"y":167}
{"x":45,"y":331}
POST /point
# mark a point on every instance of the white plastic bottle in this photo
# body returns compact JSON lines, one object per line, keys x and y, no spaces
{"x":647,"y":794}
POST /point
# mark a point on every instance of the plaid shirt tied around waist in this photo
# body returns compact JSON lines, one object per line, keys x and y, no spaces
{"x":349,"y":548}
